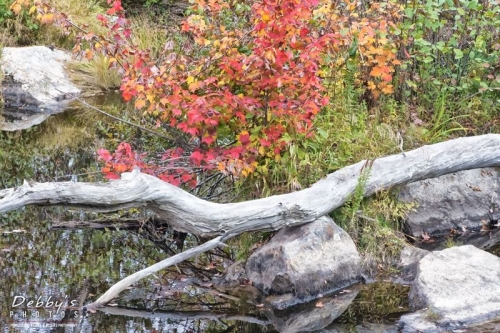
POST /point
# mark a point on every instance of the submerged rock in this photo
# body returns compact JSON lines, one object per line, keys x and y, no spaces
{"x":304,"y":262}
{"x":459,"y":202}
{"x":456,"y":288}
{"x":35,"y":86}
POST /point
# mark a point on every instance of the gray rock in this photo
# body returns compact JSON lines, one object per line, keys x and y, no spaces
{"x":35,"y":83}
{"x":411,"y":255}
{"x":306,"y":261}
{"x":408,"y":262}
{"x":234,"y":276}
{"x":462,"y":201}
{"x":458,"y":287}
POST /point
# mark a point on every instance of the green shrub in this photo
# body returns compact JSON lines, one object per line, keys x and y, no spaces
{"x":453,"y":46}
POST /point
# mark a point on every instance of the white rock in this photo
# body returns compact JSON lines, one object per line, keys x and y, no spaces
{"x":459,"y":286}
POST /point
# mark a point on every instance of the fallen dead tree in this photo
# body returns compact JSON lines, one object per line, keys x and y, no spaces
{"x":187,"y":213}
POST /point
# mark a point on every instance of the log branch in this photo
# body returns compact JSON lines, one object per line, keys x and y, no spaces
{"x":131,"y":279}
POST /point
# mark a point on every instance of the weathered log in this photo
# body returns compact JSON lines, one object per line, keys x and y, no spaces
{"x":187,"y":213}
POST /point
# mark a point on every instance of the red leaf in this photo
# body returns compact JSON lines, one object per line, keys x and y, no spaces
{"x":117,"y":5}
{"x":208,"y":140}
{"x":196,"y":157}
{"x":186,"y":177}
{"x":137,"y":62}
{"x":104,"y":155}
{"x":111,"y":175}
{"x":265,"y":143}
{"x":175,"y":181}
{"x":244,"y":138}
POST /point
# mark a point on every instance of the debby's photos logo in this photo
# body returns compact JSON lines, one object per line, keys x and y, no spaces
{"x":43,"y":311}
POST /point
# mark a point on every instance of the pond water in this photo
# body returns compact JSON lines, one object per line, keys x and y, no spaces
{"x":51,"y":266}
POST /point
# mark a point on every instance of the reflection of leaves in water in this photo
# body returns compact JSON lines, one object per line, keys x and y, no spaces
{"x":56,"y":148}
{"x":79,"y":263}
{"x":378,"y":302}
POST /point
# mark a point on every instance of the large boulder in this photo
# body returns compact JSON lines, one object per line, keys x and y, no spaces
{"x":458,"y":202}
{"x":35,"y":86}
{"x":305,"y":261}
{"x":456,"y":288}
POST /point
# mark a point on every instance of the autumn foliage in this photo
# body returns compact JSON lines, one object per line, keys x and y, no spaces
{"x":242,"y":91}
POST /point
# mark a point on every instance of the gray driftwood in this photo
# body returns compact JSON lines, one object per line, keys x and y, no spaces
{"x":188,"y":213}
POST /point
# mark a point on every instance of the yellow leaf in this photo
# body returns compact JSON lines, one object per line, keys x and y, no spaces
{"x":32,"y":10}
{"x":388,"y":89}
{"x":194,"y":86}
{"x":190,"y":79}
{"x":150,"y":98}
{"x":371,"y":85}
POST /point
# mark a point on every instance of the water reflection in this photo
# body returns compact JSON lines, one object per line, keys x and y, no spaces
{"x":314,"y":315}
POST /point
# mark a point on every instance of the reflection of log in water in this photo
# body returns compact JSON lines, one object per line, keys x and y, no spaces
{"x":217,"y":316}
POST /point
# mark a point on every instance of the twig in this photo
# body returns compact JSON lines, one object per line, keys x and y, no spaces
{"x":122,"y":120}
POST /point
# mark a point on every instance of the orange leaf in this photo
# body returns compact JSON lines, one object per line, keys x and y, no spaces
{"x":89,"y":54}
{"x":140,"y":103}
{"x":16,"y":8}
